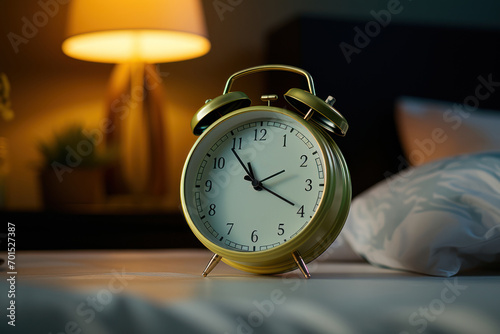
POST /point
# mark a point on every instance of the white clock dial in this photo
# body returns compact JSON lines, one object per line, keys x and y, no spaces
{"x":254,"y":181}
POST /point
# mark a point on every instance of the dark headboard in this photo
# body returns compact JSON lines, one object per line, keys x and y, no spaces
{"x":425,"y":61}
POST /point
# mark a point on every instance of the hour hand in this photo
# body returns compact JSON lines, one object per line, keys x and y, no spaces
{"x":252,"y":175}
{"x":275,"y":174}
{"x":256,"y":184}
{"x":242,"y":164}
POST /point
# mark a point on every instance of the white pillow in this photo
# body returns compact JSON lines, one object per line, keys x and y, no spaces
{"x":431,"y":130}
{"x":439,"y":218}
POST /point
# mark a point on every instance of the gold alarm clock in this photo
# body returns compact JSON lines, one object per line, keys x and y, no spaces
{"x":266,"y":189}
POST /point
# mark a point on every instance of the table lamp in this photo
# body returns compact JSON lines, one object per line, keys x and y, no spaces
{"x":136,"y":35}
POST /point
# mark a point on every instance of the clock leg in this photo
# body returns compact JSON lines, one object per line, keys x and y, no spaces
{"x":300,"y":262}
{"x":211,"y":264}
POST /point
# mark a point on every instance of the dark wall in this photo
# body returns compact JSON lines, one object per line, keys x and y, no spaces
{"x":424,"y":61}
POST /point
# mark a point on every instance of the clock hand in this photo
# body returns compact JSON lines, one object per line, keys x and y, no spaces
{"x":275,"y":194}
{"x":275,"y":174}
{"x":242,"y":165}
{"x":251,"y":177}
{"x":257,"y":185}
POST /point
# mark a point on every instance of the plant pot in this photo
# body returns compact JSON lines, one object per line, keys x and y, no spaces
{"x":81,"y":186}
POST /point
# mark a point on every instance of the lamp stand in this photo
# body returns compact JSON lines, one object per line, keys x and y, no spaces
{"x":136,"y":131}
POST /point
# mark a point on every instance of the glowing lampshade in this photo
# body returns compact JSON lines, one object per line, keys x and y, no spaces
{"x":151,"y":31}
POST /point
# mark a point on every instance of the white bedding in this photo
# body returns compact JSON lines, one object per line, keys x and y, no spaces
{"x":440,"y":218}
{"x":163,"y":292}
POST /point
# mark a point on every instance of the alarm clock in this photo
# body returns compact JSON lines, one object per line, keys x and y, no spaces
{"x":266,"y":189}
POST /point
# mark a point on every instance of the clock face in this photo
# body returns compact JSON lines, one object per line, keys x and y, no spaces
{"x":254,"y":181}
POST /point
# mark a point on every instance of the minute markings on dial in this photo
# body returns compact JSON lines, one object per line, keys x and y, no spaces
{"x":284,"y":146}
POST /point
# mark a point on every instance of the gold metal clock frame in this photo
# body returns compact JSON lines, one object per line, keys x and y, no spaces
{"x":317,"y":116}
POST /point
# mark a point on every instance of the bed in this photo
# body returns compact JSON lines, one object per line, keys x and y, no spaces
{"x":164,"y":292}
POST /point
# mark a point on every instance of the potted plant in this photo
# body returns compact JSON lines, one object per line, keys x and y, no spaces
{"x":72,"y":170}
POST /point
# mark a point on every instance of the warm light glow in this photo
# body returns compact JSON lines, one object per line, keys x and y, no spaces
{"x":151,"y":46}
{"x":151,"y":31}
